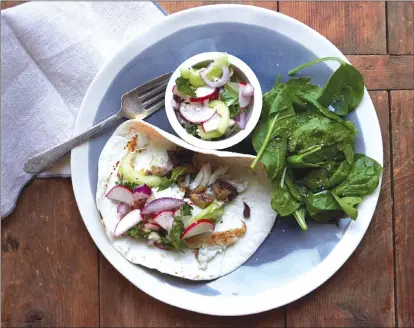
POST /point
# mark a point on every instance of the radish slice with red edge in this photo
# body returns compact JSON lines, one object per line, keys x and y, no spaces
{"x":165,"y":220}
{"x":203,"y":93}
{"x":120,"y":194}
{"x":127,"y":222}
{"x":196,"y":113}
{"x":141,"y":192}
{"x":197,"y":228}
{"x":248,"y":90}
{"x":212,"y":123}
{"x":162,"y":204}
{"x":153,"y":226}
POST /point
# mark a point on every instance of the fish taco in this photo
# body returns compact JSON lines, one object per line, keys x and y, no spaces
{"x":180,"y":210}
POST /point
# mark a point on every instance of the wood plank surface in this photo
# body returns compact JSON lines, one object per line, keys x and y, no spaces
{"x":400,"y":27}
{"x":384,"y":72}
{"x":175,"y":6}
{"x":124,"y":305}
{"x":361,"y":293}
{"x":402,"y":114}
{"x":49,"y":262}
{"x":354,"y":27}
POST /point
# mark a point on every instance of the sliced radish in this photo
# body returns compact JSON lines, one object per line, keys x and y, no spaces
{"x":180,"y":94}
{"x":197,"y":228}
{"x":152,"y":226}
{"x":162,"y":204}
{"x":243,"y":100}
{"x":165,"y":220}
{"x":248,"y":90}
{"x":196,"y":113}
{"x":203,"y":93}
{"x":212,"y":123}
{"x":127,"y":222}
{"x":120,"y":194}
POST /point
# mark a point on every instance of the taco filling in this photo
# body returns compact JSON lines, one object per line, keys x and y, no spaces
{"x":167,"y":200}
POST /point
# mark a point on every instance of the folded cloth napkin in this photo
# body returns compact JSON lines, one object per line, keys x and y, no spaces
{"x":50,"y":52}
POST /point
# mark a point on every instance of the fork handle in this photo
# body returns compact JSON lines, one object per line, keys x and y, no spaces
{"x":43,"y":160}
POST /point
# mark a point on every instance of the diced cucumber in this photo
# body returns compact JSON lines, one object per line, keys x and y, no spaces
{"x":224,"y":112}
{"x":208,"y":135}
{"x":195,"y":78}
{"x":217,"y":71}
{"x":185,"y":72}
{"x":129,"y":174}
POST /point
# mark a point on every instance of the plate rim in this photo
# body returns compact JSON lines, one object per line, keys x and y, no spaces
{"x":218,"y":305}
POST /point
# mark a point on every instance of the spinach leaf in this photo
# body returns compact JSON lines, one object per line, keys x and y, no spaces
{"x":348,"y":205}
{"x":362,"y":180}
{"x":330,"y":135}
{"x":339,"y":175}
{"x":287,"y":92}
{"x":175,"y":174}
{"x":300,"y":215}
{"x":175,"y":233}
{"x":232,"y":102}
{"x":313,"y":102}
{"x":323,"y":207}
{"x":300,"y":161}
{"x":344,"y":89}
{"x":293,"y":189}
{"x":282,"y":200}
{"x":277,"y":82}
{"x":317,"y":179}
{"x":264,"y":142}
{"x":183,"y":85}
{"x":274,"y":155}
{"x":326,"y":177}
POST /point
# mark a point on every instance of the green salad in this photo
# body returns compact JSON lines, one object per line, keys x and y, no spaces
{"x":308,"y":147}
{"x":211,"y":101}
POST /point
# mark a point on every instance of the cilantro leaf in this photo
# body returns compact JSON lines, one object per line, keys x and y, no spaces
{"x":232,"y":102}
{"x":183,"y":85}
{"x":187,"y":209}
{"x":175,"y":234}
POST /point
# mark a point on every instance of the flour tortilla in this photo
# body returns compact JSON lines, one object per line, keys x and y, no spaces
{"x":186,"y":265}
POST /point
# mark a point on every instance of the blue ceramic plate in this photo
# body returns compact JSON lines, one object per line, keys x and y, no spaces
{"x":290,"y":263}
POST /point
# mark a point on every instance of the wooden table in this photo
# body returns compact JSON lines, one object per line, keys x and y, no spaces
{"x":53,"y":275}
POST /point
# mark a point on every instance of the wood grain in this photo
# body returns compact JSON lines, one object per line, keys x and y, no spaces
{"x":402,"y":114}
{"x":400,"y":27}
{"x":124,"y":305}
{"x":354,"y":27}
{"x":385,"y":72}
{"x":361,"y":293}
{"x":49,"y":262}
{"x":175,"y":6}
{"x":9,"y":4}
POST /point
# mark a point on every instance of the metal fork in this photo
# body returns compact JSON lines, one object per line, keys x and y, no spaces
{"x":135,"y":104}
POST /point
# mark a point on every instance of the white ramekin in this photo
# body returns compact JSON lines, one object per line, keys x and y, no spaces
{"x":254,"y":108}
